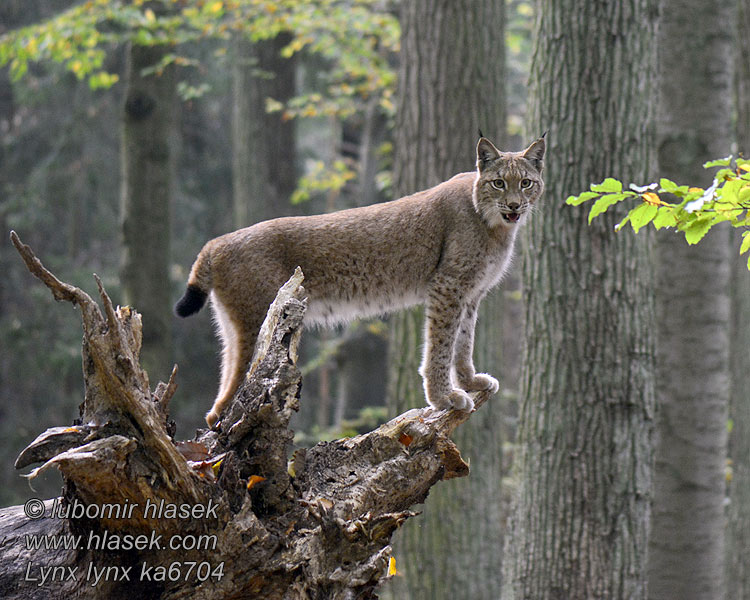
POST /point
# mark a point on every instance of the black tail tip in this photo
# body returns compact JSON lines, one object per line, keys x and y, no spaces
{"x":191,"y":302}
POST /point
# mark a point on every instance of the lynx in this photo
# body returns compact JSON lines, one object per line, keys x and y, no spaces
{"x":444,"y":247}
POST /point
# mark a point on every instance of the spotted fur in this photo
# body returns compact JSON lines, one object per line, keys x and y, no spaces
{"x":444,"y":247}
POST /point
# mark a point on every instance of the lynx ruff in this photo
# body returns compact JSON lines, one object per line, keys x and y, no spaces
{"x":444,"y":247}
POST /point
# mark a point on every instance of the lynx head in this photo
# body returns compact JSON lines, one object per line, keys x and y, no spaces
{"x":508,"y":183}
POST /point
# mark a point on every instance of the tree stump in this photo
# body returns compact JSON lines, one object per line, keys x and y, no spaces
{"x":228,"y":514}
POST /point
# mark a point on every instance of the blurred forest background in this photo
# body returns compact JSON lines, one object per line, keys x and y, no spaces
{"x":131,"y":132}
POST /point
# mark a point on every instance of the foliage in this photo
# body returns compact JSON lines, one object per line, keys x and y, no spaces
{"x":321,"y":178}
{"x":694,"y":210}
{"x":356,"y":36}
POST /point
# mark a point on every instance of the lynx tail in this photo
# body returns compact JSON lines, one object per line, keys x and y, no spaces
{"x":191,"y":302}
{"x":198,"y":286}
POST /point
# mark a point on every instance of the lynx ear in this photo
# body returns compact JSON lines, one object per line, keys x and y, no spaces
{"x":535,"y":152}
{"x":486,"y":153}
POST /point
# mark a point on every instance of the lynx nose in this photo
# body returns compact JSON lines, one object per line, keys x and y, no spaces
{"x":514,"y":206}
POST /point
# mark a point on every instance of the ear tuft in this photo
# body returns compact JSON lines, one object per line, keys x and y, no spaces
{"x":535,"y":152}
{"x":486,"y":152}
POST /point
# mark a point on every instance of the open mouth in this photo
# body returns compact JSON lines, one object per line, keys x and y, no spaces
{"x":511,"y":217}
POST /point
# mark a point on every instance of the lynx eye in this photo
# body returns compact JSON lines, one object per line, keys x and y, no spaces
{"x":498,"y":184}
{"x":526,"y":184}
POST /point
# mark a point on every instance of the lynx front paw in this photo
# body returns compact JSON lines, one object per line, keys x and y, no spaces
{"x":481,"y":382}
{"x":457,"y":399}
{"x":460,"y":400}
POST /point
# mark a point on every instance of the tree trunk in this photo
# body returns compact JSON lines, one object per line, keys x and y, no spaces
{"x":146,"y":191}
{"x":226,"y":515}
{"x":264,"y":171}
{"x":584,"y":450}
{"x":687,"y":542}
{"x":738,"y":517}
{"x":451,"y":84}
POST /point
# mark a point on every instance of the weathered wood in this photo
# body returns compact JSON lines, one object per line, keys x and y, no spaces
{"x":318,"y":526}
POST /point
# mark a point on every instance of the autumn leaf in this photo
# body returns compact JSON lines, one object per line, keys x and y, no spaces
{"x":253,"y":480}
{"x":405,"y":439}
{"x":193,"y":451}
{"x":392,"y":570}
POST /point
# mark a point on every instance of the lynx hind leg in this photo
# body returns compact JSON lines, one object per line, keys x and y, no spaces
{"x":238,"y":343}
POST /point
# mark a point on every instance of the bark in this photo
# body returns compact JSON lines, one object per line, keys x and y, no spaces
{"x":263,"y":158}
{"x":738,"y":514}
{"x":146,"y":192}
{"x":316,"y":527}
{"x":687,"y":544}
{"x":451,"y":84}
{"x":584,"y":450}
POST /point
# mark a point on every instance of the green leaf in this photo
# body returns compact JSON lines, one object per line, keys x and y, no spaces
{"x":721,"y":162}
{"x":667,"y":185}
{"x":745,"y":242}
{"x":299,"y":196}
{"x":581,"y":198}
{"x":729,"y":192}
{"x":695,"y":231}
{"x":724,"y":174}
{"x":102,"y":79}
{"x":665,"y":218}
{"x":609,"y":185}
{"x":603,"y":203}
{"x":642,"y":215}
{"x":732,"y":215}
{"x":670,"y":187}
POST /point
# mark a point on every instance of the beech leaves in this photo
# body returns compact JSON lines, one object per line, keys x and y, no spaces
{"x":691,"y":210}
